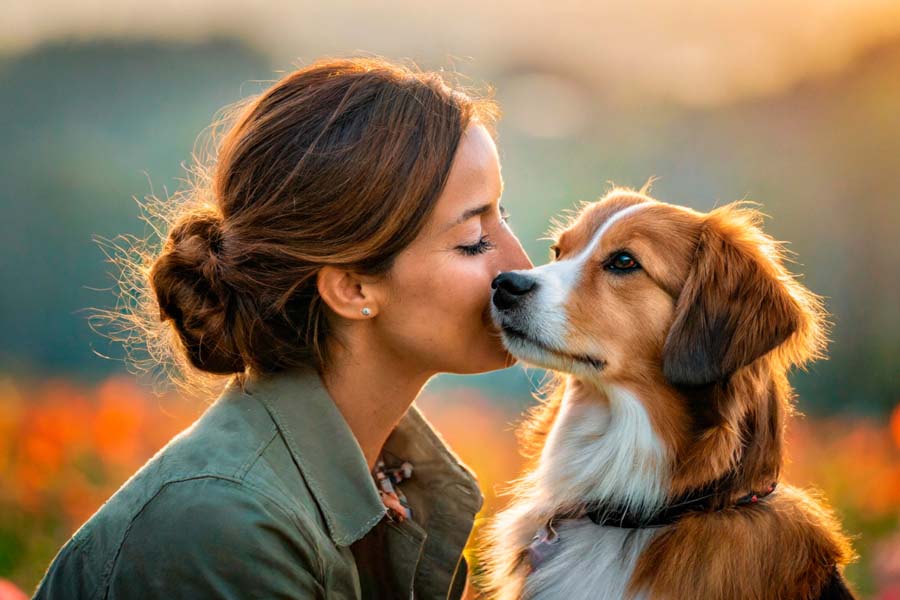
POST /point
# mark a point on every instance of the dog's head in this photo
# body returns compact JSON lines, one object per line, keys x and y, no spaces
{"x":640,"y":288}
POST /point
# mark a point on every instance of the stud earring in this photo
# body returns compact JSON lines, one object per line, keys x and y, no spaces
{"x":366,"y":311}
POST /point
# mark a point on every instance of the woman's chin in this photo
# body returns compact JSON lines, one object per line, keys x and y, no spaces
{"x":499,"y":358}
{"x":487,"y":354}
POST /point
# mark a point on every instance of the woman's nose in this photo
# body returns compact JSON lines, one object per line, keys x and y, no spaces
{"x":514,"y":257}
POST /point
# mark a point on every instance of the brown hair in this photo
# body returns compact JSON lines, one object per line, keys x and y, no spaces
{"x":338,"y":163}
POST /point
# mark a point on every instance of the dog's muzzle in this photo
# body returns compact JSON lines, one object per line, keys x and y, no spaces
{"x":510,"y":289}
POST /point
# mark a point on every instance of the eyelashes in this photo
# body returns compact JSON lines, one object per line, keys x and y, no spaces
{"x":483,"y":245}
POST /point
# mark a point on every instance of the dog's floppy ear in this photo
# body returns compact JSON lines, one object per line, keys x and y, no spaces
{"x":739,"y":303}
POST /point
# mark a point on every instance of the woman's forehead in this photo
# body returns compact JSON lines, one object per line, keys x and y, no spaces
{"x":474,"y":180}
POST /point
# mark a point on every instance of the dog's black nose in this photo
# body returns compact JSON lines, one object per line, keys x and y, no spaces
{"x":509,"y":288}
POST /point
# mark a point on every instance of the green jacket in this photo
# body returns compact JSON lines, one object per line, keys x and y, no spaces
{"x":268,"y":495}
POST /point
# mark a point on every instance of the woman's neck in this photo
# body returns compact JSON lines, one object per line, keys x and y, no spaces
{"x":372,"y":393}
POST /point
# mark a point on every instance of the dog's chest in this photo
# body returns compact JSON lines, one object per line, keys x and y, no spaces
{"x":587,"y":562}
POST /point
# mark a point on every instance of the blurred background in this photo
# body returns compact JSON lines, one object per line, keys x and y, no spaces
{"x":795,"y":105}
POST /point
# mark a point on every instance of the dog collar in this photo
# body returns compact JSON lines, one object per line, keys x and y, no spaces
{"x":545,"y":541}
{"x":695,"y":501}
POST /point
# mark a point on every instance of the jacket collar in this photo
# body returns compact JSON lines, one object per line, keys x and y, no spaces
{"x":332,"y":462}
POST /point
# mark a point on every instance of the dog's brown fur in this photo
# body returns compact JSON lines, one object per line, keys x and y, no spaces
{"x":721,"y":323}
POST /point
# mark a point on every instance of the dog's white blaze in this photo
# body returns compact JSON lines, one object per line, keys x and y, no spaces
{"x":547,"y":321}
{"x":604,"y":453}
{"x":556,"y":281}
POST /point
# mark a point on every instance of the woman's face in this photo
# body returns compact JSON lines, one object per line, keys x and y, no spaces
{"x":438,"y":292}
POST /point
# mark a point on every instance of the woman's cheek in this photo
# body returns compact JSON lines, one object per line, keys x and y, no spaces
{"x":474,"y":299}
{"x":474,"y":282}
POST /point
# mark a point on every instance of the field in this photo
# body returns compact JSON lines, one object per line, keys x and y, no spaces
{"x":64,"y":448}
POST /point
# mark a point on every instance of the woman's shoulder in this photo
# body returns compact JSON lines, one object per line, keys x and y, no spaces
{"x":216,"y":513}
{"x":214,"y":533}
{"x":193,"y":536}
{"x":214,"y":488}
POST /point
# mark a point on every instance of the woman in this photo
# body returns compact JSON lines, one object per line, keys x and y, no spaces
{"x":344,"y":255}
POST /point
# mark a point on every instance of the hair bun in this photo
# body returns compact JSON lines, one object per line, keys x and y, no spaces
{"x":189,"y":280}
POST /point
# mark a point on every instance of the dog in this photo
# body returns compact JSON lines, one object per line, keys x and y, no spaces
{"x":653,"y":465}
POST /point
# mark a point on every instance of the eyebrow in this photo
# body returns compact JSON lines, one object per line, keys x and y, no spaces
{"x":475,"y":212}
{"x":472,"y":212}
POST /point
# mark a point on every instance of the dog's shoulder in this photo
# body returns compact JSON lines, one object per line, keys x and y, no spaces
{"x":791,"y":546}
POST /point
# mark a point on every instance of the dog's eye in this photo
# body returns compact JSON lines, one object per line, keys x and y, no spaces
{"x":623,"y":261}
{"x":555,"y":251}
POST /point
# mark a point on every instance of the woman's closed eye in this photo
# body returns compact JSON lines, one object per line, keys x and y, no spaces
{"x":483,"y":244}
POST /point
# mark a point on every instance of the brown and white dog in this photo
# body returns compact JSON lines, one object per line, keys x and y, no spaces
{"x":652,"y":464}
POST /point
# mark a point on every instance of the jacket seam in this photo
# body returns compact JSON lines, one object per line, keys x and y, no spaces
{"x":245,"y":468}
{"x":111,"y":563}
{"x":320,"y":497}
{"x":469,"y":480}
{"x":300,"y":520}
{"x":456,"y":572}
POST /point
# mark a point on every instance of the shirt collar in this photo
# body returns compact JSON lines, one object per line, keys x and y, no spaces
{"x":332,"y":462}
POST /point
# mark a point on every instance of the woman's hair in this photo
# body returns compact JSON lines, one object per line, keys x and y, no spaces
{"x":338,"y":163}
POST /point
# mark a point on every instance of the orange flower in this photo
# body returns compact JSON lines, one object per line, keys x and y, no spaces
{"x":118,"y":422}
{"x":9,"y":591}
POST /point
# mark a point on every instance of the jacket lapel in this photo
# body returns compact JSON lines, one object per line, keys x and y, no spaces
{"x":393,"y":559}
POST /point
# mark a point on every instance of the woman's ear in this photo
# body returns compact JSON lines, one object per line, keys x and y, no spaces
{"x":737,"y":304}
{"x":346,"y":293}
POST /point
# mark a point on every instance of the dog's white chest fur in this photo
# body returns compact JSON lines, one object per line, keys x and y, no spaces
{"x":588,"y":562}
{"x":595,"y":451}
{"x":602,"y":452}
